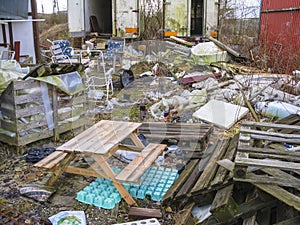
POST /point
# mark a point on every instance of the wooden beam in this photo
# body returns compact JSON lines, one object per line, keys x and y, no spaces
{"x":144,"y":212}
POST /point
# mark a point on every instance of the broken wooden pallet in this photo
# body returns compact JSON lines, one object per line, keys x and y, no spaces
{"x":264,"y":159}
{"x":189,"y":137}
{"x":202,"y":178}
{"x":215,"y":176}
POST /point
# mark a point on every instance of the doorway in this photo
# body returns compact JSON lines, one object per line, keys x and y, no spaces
{"x":197,"y":12}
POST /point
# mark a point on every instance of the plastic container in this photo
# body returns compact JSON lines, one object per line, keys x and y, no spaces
{"x":207,"y":53}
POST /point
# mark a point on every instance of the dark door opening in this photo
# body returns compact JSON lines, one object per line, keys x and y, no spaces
{"x":101,"y":16}
{"x":197,"y":11}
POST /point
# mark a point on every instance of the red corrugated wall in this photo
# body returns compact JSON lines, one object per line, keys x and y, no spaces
{"x":280,"y":34}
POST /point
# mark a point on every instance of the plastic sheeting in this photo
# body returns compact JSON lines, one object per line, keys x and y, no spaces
{"x":70,"y":83}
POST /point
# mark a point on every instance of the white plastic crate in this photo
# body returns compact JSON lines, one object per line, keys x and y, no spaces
{"x":152,"y":221}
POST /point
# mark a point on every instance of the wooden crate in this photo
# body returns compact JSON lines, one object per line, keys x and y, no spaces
{"x":188,"y":136}
{"x":23,"y":112}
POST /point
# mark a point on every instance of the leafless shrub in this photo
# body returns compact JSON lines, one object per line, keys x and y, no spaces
{"x":151,"y":20}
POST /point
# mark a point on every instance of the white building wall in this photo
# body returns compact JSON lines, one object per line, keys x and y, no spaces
{"x":211,"y":16}
{"x":23,"y":32}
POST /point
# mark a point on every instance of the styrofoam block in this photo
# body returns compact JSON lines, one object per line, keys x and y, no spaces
{"x":152,"y":221}
{"x":221,"y":114}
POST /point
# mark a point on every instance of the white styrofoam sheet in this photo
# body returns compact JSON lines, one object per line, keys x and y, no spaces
{"x":221,"y":114}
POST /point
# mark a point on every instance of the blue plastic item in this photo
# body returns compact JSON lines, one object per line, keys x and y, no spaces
{"x":155,"y":183}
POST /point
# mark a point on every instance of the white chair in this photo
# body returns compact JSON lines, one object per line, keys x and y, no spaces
{"x":7,"y":55}
{"x":98,"y":79}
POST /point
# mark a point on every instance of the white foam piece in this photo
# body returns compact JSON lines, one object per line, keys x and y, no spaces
{"x":221,"y":114}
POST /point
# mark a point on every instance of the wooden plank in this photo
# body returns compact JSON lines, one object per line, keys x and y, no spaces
{"x":21,"y":127}
{"x":83,"y":171}
{"x":291,"y":119}
{"x":135,"y":169}
{"x":227,"y":164}
{"x":185,"y":174}
{"x":144,"y":213}
{"x":24,"y":140}
{"x":274,"y":156}
{"x":174,"y":126}
{"x":265,"y":179}
{"x":281,"y":174}
{"x":190,"y":183}
{"x":81,"y":122}
{"x":281,"y":194}
{"x":9,"y":113}
{"x":184,"y":217}
{"x":181,"y":137}
{"x":230,"y":153}
{"x":29,"y":111}
{"x":268,"y":133}
{"x":291,"y":221}
{"x":8,"y":125}
{"x":211,"y":168}
{"x":271,"y":125}
{"x":135,"y":139}
{"x":51,"y":160}
{"x":71,"y":113}
{"x":268,"y":163}
{"x":71,"y":101}
{"x":224,"y":206}
{"x":268,"y":151}
{"x":250,"y":208}
{"x":275,"y":139}
{"x":29,"y":98}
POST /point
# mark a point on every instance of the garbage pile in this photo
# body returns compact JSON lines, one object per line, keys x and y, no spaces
{"x":175,"y":81}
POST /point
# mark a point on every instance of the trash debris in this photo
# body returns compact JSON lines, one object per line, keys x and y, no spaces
{"x":276,"y":109}
{"x":207,"y":53}
{"x":201,"y":213}
{"x":36,"y":154}
{"x":126,"y":78}
{"x":68,"y":217}
{"x":39,"y":193}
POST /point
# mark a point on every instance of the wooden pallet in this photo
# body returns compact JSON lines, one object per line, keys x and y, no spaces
{"x":23,"y":107}
{"x":202,"y":178}
{"x":190,"y":137}
{"x":215,"y":176}
{"x":263,"y":159}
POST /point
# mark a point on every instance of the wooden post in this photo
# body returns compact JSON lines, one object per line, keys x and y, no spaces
{"x":55,"y":113}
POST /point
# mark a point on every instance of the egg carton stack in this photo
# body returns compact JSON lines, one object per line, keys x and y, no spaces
{"x":155,"y":182}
